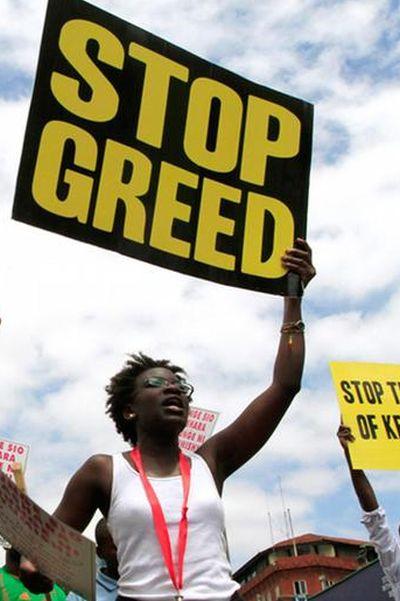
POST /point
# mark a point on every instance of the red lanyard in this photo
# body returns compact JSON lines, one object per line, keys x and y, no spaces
{"x":160,"y":525}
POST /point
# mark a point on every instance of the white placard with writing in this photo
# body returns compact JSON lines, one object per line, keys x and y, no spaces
{"x":199,"y":427}
{"x":12,"y":452}
{"x":60,"y":552}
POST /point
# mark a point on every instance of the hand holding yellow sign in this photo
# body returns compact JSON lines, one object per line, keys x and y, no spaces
{"x":369,"y":400}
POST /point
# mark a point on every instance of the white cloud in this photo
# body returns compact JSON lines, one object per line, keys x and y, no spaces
{"x":264,"y":523}
{"x":71,"y":311}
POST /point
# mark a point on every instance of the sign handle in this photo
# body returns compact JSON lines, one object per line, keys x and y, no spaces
{"x":294,"y":285}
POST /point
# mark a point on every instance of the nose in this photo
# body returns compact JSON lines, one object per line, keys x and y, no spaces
{"x":173,"y":386}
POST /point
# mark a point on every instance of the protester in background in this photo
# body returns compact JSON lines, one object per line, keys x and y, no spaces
{"x":11,"y":587}
{"x":107,"y":573}
{"x":157,"y":499}
{"x":374,"y":517}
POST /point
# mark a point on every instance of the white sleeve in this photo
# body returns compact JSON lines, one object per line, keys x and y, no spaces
{"x":385,"y":543}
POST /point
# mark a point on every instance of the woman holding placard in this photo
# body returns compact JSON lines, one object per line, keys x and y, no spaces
{"x":163,"y":507}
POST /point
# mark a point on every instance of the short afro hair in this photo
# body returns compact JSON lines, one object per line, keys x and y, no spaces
{"x":122,"y":386}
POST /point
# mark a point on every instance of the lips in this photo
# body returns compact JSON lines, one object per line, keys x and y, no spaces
{"x":173,"y":403}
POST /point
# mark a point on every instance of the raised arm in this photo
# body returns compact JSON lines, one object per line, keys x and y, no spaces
{"x":374,"y":517}
{"x":232,"y":447}
{"x":361,"y":484}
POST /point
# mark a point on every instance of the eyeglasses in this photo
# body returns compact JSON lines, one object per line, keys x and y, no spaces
{"x":160,"y":382}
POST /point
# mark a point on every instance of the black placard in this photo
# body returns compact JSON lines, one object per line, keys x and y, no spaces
{"x":137,"y":146}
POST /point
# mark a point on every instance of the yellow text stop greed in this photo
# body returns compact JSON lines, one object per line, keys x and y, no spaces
{"x":103,"y":173}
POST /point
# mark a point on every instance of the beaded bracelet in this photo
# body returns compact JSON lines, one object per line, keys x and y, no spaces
{"x":293,"y":327}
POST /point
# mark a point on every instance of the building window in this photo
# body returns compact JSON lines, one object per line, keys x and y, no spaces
{"x":325,"y":582}
{"x":300,"y":587}
{"x":327,"y":550}
{"x":304,"y":549}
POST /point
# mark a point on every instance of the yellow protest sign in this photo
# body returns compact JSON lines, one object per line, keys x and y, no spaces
{"x":369,"y":400}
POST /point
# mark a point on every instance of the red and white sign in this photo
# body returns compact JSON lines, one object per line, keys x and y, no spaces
{"x":199,"y":427}
{"x":58,"y":551}
{"x":12,"y":452}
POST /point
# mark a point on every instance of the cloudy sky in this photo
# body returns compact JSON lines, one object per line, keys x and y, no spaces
{"x":71,"y":311}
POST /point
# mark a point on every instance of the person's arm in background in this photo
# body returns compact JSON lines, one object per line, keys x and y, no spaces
{"x":361,"y":484}
{"x":374,"y":517}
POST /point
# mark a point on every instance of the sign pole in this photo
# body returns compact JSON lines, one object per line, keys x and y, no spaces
{"x":294,"y":285}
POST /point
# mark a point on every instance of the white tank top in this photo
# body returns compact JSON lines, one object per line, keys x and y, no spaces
{"x":143,"y":574}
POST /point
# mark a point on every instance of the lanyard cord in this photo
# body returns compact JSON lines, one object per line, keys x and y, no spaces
{"x":160,"y":525}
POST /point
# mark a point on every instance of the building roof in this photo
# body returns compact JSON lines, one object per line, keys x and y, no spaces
{"x":303,"y":562}
{"x":308,"y":561}
{"x":307,"y":538}
{"x":316,"y":538}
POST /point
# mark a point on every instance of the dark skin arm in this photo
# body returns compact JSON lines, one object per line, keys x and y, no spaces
{"x":228,"y":450}
{"x":88,"y":490}
{"x":361,"y":484}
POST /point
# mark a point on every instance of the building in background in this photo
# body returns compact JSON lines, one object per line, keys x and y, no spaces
{"x":297,"y":568}
{"x":366,"y":584}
